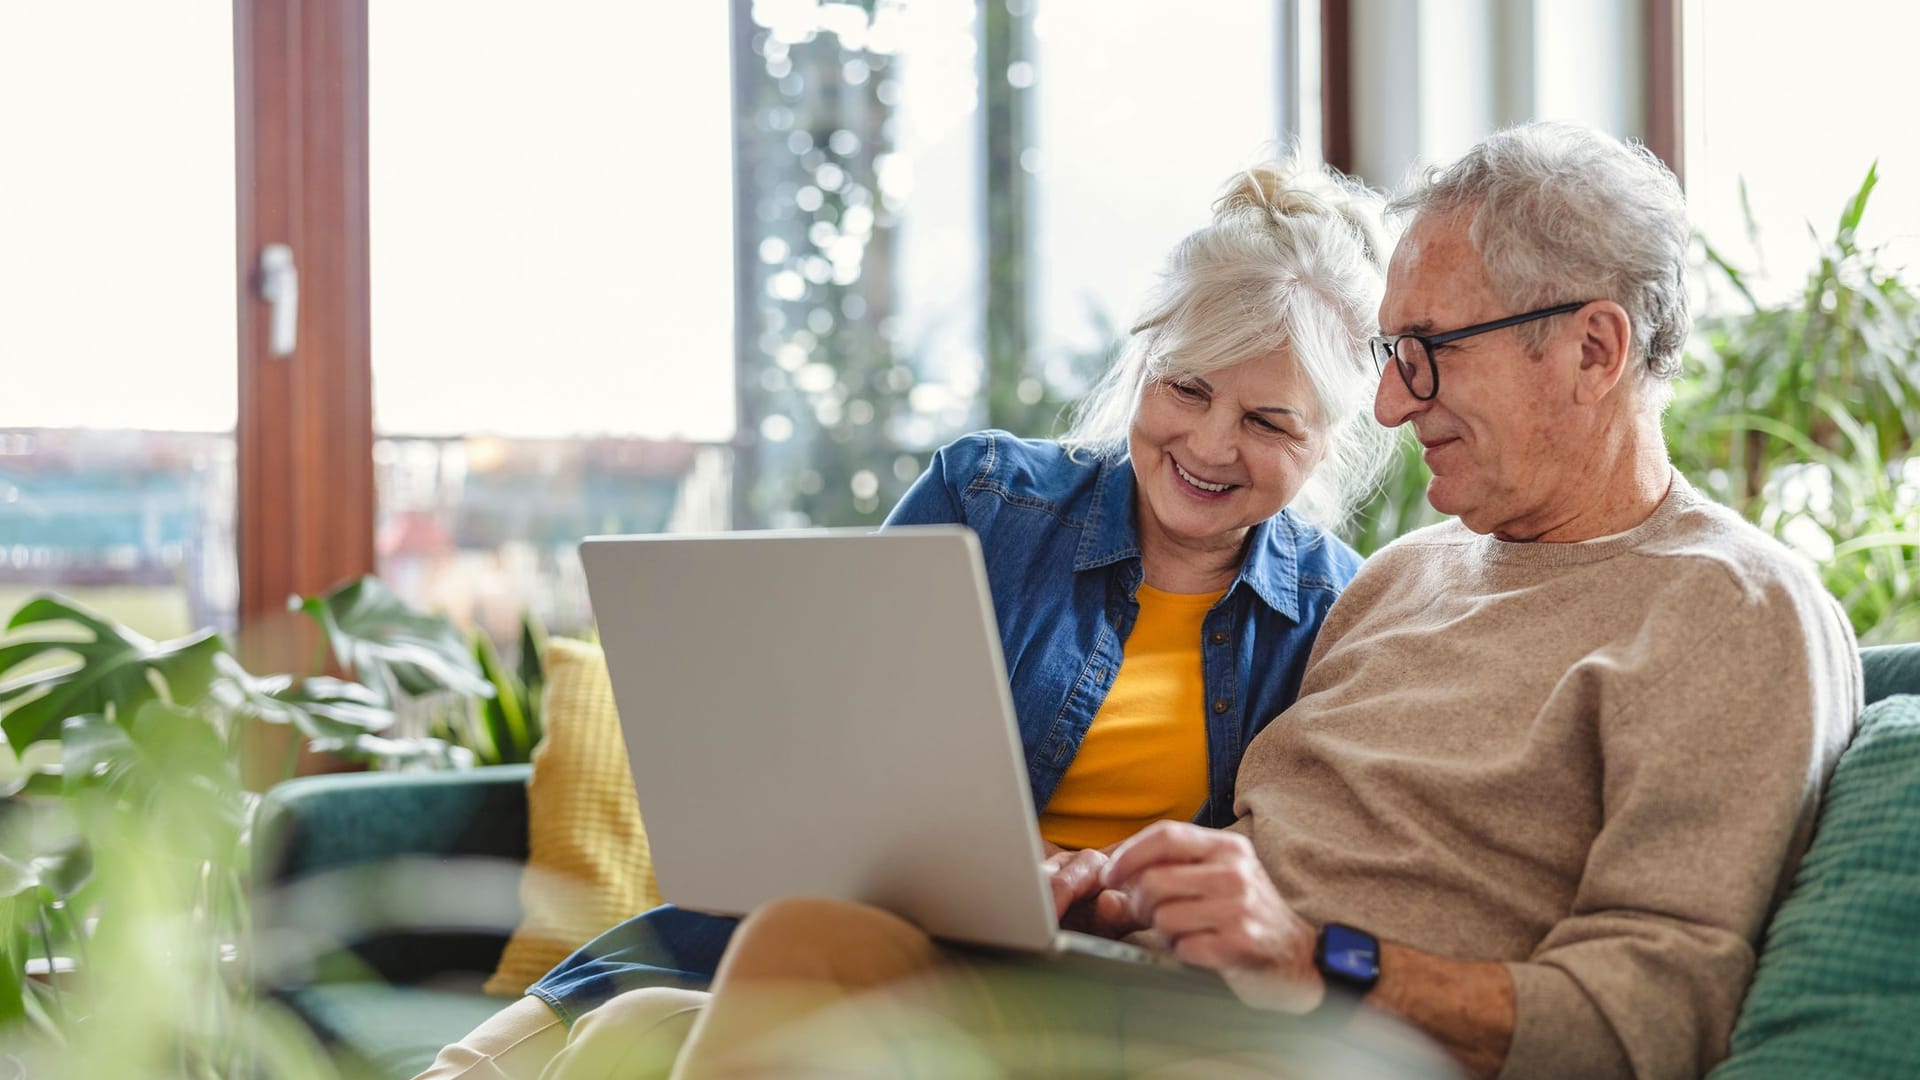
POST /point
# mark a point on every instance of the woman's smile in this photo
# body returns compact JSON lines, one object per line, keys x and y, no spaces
{"x":1199,"y":487}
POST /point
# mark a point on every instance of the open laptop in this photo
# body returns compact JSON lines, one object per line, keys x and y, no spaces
{"x":826,"y":713}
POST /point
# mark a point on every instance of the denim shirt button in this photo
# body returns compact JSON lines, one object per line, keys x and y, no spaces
{"x":1220,"y":705}
{"x":1219,"y":637}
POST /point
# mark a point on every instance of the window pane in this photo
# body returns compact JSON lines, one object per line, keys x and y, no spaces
{"x":1801,"y":145}
{"x":1143,"y":111}
{"x":117,"y":319}
{"x":552,"y":290}
{"x":860,"y":176}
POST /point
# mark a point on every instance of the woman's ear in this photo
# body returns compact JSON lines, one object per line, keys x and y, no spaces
{"x":1606,"y":347}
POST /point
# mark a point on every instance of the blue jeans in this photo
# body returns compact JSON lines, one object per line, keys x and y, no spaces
{"x":662,"y":947}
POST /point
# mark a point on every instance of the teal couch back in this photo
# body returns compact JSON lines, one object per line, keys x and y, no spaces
{"x":1891,"y":669}
{"x":1837,"y":990}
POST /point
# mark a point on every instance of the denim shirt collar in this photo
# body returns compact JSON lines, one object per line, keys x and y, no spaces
{"x":1270,"y":568}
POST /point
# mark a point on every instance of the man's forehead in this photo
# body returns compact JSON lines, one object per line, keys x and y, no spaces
{"x":1434,"y":277}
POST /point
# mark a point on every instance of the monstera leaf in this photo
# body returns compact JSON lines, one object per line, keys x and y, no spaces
{"x":318,"y":707}
{"x":370,"y":630}
{"x":168,"y":767}
{"x":118,"y":670}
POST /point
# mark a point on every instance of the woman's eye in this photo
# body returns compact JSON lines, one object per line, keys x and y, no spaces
{"x":1187,"y":390}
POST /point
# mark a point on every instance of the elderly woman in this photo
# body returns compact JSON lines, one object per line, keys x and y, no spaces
{"x":1156,"y":574}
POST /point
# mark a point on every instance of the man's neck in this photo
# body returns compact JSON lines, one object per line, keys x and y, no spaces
{"x":1626,"y":477}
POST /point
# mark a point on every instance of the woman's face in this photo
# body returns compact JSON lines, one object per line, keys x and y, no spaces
{"x":1218,"y":453}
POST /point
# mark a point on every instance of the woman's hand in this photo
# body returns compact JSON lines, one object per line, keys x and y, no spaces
{"x":1205,"y":893}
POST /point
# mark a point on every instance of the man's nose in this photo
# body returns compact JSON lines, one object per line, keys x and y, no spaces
{"x":1393,"y":403}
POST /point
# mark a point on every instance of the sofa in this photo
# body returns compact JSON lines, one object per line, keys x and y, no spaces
{"x":384,"y":901}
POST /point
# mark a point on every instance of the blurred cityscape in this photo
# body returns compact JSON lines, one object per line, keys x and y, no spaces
{"x":142,"y":522}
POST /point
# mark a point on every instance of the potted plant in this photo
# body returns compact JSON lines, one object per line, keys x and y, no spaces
{"x":124,"y":918}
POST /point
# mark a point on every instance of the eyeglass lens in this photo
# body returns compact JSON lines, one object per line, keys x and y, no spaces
{"x":1416,"y":367}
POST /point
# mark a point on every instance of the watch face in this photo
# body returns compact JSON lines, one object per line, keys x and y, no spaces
{"x":1351,"y":954}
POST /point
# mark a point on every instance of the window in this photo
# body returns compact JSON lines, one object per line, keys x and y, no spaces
{"x":552,"y":292}
{"x":117,"y":311}
{"x":1796,"y":116}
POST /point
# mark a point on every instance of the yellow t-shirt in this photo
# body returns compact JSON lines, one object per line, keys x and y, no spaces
{"x":1144,"y":759}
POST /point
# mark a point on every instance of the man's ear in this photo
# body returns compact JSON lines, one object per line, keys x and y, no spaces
{"x":1606,"y":347}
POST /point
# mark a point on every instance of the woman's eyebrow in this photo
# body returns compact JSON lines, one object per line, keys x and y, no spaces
{"x":1278,"y":409}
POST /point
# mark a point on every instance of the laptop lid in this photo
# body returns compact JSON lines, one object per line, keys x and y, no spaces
{"x":825,"y":714}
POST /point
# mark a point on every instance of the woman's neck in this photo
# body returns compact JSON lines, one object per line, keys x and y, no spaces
{"x":1175,"y":567}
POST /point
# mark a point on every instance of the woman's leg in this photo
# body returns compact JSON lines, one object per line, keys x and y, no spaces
{"x":662,"y":947}
{"x":828,"y":988}
{"x":515,"y":1043}
{"x":795,"y":957}
{"x":634,"y":1036}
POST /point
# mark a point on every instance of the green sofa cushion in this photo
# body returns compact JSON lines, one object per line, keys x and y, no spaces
{"x":1837,"y":991}
{"x":388,"y":1032}
{"x":1891,"y":669}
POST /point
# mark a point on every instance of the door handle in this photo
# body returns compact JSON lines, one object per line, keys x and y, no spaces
{"x":280,"y":288}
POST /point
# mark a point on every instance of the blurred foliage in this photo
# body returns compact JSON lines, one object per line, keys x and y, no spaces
{"x":453,"y":700}
{"x":1400,"y":504}
{"x":821,"y":385}
{"x":505,"y":727}
{"x":1801,"y":415}
{"x":838,"y":410}
{"x":124,"y":827}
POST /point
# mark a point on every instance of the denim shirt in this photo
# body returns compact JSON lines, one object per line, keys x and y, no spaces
{"x":1063,"y":561}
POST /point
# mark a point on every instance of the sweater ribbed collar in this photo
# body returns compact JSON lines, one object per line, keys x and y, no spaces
{"x":1680,"y":496}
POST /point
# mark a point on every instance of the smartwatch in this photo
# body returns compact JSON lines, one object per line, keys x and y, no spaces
{"x":1347,"y":958}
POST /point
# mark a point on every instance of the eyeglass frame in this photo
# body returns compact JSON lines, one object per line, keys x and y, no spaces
{"x":1386,"y":347}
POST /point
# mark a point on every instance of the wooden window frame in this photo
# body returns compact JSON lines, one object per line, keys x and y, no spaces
{"x":1663,"y":119}
{"x":304,"y":431}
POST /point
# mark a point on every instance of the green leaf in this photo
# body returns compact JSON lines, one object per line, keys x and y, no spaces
{"x":1857,"y":206}
{"x":17,"y":878}
{"x":1733,"y":274}
{"x":372,"y":631}
{"x":332,"y":708}
{"x":17,"y":907}
{"x":423,"y":752}
{"x":319,"y":706}
{"x":117,"y":671}
{"x":503,"y":721}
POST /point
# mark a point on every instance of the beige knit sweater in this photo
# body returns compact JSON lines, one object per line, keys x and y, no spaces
{"x":1596,"y":762}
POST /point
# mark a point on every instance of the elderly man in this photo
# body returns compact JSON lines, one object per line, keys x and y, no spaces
{"x":1553,"y":760}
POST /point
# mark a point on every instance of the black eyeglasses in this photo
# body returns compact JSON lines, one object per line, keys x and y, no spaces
{"x":1413,"y":353}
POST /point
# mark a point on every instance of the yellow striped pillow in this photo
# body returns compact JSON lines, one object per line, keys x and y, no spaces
{"x":588,"y":865}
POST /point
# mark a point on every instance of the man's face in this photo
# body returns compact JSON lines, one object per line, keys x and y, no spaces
{"x":1499,"y":436}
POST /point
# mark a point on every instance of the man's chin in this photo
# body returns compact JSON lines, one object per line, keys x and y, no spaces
{"x":1445,"y":496}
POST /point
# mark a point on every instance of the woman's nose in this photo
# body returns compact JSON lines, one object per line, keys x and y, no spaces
{"x":1212,"y":439}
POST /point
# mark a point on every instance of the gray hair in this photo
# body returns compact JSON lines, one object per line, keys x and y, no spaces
{"x":1562,"y":212}
{"x":1294,"y":258}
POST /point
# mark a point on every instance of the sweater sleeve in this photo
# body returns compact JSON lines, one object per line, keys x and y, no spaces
{"x":1714,"y":754}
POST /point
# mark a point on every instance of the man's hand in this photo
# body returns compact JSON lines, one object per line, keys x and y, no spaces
{"x":1205,"y":893}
